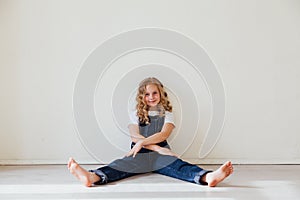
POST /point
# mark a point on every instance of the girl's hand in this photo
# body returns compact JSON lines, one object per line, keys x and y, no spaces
{"x":137,"y":147}
{"x":166,"y":151}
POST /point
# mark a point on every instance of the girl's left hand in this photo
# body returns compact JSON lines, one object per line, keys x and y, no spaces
{"x":137,"y":147}
{"x":166,"y":151}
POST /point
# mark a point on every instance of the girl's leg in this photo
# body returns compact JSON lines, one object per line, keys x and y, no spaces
{"x":180,"y":169}
{"x":192,"y":173}
{"x":123,"y":168}
{"x":117,"y":170}
{"x":107,"y":174}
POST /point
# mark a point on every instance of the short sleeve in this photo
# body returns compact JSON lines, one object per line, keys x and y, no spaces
{"x":133,"y":118}
{"x":169,"y":118}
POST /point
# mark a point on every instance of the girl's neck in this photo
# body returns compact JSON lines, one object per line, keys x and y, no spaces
{"x":156,"y":108}
{"x":153,"y":108}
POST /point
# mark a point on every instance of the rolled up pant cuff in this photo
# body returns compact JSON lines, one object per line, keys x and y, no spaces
{"x":103,"y":177}
{"x":198,"y":177}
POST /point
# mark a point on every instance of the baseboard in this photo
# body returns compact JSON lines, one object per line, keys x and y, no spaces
{"x":244,"y":161}
{"x":207,"y":161}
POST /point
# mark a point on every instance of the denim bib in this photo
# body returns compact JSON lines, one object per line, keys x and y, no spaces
{"x":155,"y":125}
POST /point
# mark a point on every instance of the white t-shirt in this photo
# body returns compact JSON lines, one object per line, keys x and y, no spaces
{"x":169,"y":118}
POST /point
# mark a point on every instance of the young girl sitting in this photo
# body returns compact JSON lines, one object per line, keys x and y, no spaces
{"x":151,"y":125}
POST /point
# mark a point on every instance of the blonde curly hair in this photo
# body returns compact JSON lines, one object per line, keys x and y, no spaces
{"x":142,"y":107}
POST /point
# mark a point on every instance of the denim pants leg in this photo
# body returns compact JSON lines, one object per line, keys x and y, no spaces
{"x":123,"y":168}
{"x":179,"y":169}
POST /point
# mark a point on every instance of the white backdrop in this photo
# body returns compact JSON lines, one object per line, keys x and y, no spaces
{"x":255,"y":46}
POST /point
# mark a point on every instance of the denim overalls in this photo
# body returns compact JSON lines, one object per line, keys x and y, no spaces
{"x":150,"y":161}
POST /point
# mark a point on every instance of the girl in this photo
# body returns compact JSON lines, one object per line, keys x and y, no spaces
{"x":151,"y":124}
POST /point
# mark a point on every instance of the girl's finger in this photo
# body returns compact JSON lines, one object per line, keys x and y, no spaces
{"x":134,"y":154}
{"x":129,"y":154}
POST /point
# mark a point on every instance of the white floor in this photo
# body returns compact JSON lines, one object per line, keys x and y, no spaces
{"x":55,"y":182}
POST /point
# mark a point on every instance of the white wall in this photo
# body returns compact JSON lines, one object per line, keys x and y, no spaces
{"x":254,"y":44}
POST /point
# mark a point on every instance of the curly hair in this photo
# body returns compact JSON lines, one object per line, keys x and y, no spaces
{"x":142,"y":107}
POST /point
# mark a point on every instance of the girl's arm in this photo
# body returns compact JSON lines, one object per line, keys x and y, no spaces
{"x":137,"y":138}
{"x":153,"y":139}
{"x":135,"y":133}
{"x":160,"y":136}
{"x":149,"y":142}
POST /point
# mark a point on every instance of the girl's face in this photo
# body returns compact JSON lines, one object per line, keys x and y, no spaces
{"x":152,"y":95}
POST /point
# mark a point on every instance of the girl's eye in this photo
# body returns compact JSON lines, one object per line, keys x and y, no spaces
{"x":147,"y":94}
{"x":154,"y":92}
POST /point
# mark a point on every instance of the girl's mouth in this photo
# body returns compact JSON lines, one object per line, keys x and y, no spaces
{"x":152,"y":102}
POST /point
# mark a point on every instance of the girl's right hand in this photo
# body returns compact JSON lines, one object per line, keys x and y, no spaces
{"x":166,"y":151}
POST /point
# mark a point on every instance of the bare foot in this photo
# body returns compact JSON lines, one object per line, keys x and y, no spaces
{"x":219,"y":175}
{"x":87,"y":178}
